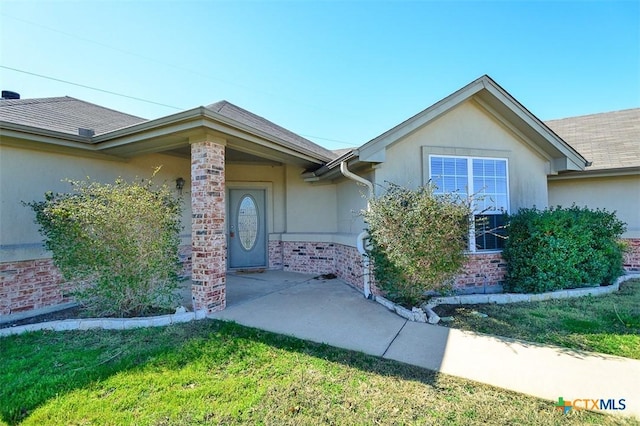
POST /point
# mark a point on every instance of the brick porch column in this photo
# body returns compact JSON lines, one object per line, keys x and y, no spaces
{"x":208,"y":239}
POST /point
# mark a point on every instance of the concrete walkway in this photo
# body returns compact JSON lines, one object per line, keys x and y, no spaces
{"x":329,"y":311}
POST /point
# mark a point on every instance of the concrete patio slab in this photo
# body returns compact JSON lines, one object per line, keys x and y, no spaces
{"x":323,"y":311}
{"x":331,"y":312}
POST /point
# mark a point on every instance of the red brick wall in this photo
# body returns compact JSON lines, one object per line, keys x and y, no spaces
{"x":309,"y":258}
{"x":209,"y":256}
{"x":28,"y":285}
{"x":275,"y":254}
{"x":349,"y":266}
{"x":482,"y":269}
{"x":632,"y":257}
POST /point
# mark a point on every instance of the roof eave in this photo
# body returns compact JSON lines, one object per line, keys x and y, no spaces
{"x":44,"y":135}
{"x":198,"y":118}
{"x":613,"y":172}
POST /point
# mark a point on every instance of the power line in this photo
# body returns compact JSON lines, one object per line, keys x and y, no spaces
{"x":141,"y":99}
{"x":90,"y":87}
{"x":350,"y":144}
{"x":178,"y":67}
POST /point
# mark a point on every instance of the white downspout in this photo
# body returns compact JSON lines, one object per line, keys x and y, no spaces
{"x":360,"y":242}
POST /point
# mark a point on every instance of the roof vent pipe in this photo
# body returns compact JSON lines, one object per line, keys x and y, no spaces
{"x":361,"y":243}
{"x":8,"y":94}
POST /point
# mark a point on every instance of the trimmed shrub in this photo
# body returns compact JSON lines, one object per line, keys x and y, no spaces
{"x":118,"y":241}
{"x":560,"y":248}
{"x":417,"y":241}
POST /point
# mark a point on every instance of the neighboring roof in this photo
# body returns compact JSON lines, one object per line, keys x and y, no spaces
{"x":342,"y":151}
{"x":504,"y":107}
{"x":252,"y":120}
{"x":610,"y":140}
{"x":64,"y":114}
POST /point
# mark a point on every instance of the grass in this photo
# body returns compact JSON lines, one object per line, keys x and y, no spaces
{"x":607,"y":324}
{"x":211,"y":372}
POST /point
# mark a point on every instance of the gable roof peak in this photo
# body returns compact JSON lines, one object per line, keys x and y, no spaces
{"x":247,"y":118}
{"x":498,"y":102}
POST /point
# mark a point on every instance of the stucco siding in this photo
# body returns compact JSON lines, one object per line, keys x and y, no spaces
{"x":26,"y":175}
{"x":310,"y":208}
{"x":467,"y":130}
{"x":270,"y":178}
{"x":619,"y":193}
{"x":352,"y":200}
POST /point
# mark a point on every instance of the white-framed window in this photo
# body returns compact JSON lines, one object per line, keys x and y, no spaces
{"x":486,"y":181}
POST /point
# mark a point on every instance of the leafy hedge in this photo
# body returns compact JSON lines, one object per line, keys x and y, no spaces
{"x":560,"y":248}
{"x":119,"y":240}
{"x":418,"y":241}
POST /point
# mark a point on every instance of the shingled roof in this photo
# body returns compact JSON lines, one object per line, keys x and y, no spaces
{"x":64,"y":114}
{"x":252,"y":120}
{"x":610,"y":140}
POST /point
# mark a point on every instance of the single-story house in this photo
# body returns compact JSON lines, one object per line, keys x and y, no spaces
{"x":259,"y":196}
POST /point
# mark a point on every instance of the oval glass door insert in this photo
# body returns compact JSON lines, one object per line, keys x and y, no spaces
{"x":248,"y":222}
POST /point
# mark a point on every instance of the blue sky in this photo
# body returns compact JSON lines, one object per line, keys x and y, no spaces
{"x":338,"y":73}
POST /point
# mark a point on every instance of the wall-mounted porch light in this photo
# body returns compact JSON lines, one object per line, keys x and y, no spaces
{"x":180,"y":184}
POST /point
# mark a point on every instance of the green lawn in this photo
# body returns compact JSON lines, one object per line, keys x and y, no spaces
{"x":211,"y":372}
{"x":608,"y":324}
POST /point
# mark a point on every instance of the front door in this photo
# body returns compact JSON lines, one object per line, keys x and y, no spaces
{"x":247,"y":231}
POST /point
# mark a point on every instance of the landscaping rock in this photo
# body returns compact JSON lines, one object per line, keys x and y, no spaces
{"x":419,"y":315}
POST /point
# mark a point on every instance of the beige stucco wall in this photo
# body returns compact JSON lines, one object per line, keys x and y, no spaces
{"x":351,"y":199}
{"x":619,"y":193}
{"x":270,"y":178}
{"x":25,"y":175}
{"x":310,"y":208}
{"x":467,"y":130}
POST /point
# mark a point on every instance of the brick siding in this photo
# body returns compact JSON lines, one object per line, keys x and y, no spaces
{"x":209,"y":252}
{"x":275,"y":254}
{"x":481,"y":270}
{"x":33,"y":284}
{"x":632,"y":257}
{"x":30,"y":284}
{"x":309,"y":258}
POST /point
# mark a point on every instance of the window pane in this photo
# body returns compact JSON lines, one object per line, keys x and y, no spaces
{"x":501,"y":186}
{"x":449,"y":184}
{"x":490,"y":231}
{"x":478,"y":168}
{"x":490,"y":184}
{"x":437,"y":182}
{"x":461,"y":166}
{"x":489,"y":167}
{"x":478,"y":183}
{"x":436,"y":167}
{"x":449,"y":166}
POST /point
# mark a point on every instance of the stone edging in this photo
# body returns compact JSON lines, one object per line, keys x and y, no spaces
{"x":426,"y":314}
{"x":106,"y":323}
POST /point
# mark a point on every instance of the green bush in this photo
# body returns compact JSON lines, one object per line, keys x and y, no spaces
{"x":118,"y":242}
{"x":560,"y":248}
{"x":418,"y":241}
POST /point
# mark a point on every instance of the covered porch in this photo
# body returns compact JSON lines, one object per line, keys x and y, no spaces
{"x":229,"y":150}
